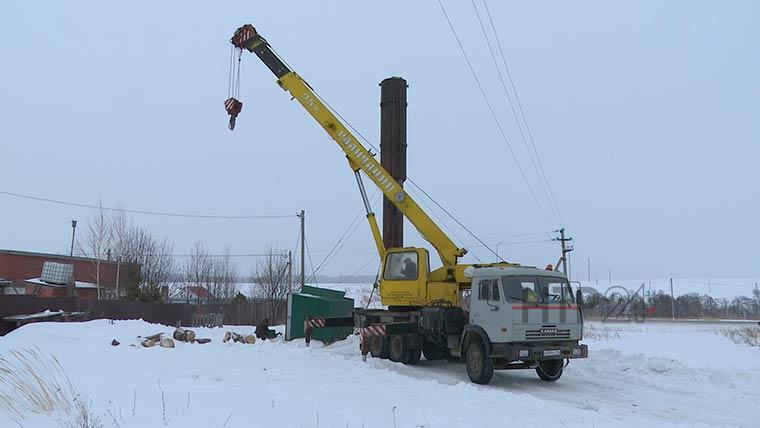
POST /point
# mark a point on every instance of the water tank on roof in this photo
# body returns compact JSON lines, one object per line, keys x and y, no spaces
{"x":56,"y":273}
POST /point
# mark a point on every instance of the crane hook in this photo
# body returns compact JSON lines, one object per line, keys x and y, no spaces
{"x":233,"y":108}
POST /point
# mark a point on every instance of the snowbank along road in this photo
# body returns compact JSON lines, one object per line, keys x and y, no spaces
{"x":654,"y":375}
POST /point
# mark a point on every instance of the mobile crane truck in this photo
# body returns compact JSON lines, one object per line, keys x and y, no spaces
{"x":495,"y":316}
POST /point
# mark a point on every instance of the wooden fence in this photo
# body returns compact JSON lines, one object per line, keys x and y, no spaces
{"x":250,"y":312}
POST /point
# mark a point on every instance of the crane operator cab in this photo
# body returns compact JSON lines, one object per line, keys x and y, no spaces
{"x":404,"y":277}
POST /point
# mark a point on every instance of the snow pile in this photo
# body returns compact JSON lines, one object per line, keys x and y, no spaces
{"x":662,"y":375}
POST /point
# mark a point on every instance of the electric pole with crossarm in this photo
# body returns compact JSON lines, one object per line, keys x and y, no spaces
{"x":566,"y":248}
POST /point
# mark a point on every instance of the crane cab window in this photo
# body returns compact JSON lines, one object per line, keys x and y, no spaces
{"x":488,"y":289}
{"x":401,"y":266}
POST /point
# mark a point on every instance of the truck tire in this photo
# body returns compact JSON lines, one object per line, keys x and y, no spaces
{"x":398,"y":348}
{"x":549,"y":370}
{"x":479,"y":364}
{"x":378,"y":346}
{"x":414,"y":357}
{"x":433,"y":352}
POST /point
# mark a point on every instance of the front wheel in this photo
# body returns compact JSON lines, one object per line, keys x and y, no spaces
{"x":549,"y":370}
{"x":479,"y":364}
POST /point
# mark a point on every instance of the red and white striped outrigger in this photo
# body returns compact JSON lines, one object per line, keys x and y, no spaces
{"x":365,"y":324}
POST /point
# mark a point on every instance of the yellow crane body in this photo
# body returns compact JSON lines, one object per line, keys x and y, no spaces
{"x":441,"y":286}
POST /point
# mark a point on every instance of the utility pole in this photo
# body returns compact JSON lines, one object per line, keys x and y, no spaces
{"x":672,"y":300}
{"x":71,"y":285}
{"x":73,"y":234}
{"x":302,"y":216}
{"x":566,"y":248}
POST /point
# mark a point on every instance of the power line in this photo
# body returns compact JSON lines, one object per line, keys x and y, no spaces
{"x":145,"y":212}
{"x":308,"y":252}
{"x":344,"y":237}
{"x":356,"y":272}
{"x":522,"y":113}
{"x":502,"y":243}
{"x":350,"y":126}
{"x":445,"y":225}
{"x":493,"y":113}
{"x":81,"y":254}
{"x":555,"y":211}
{"x":452,"y":217}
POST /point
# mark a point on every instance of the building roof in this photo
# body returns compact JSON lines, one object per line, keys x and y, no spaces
{"x":50,"y":255}
{"x":199,"y":292}
{"x":79,"y":284}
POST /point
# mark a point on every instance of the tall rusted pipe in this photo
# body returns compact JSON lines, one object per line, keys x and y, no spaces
{"x":393,"y":152}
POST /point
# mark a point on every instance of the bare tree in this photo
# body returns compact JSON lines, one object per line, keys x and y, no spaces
{"x":97,"y":242}
{"x":154,"y":258}
{"x":119,"y":229}
{"x":223,"y":277}
{"x":198,"y":270}
{"x":272,"y":284}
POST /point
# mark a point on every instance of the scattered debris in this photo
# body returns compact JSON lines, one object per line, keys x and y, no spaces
{"x":150,"y":341}
{"x":235,"y":337}
{"x":202,"y":341}
{"x":114,"y":342}
{"x":183,"y":335}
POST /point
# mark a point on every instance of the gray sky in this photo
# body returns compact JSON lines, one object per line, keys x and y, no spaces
{"x":645,"y":115}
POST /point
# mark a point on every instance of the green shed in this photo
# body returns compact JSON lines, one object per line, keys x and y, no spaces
{"x":322,"y":302}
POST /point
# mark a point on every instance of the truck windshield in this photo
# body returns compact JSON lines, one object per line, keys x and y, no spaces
{"x":533,"y":289}
{"x":555,"y":290}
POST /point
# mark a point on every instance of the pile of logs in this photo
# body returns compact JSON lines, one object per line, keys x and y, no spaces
{"x":239,"y":338}
{"x":188,"y":336}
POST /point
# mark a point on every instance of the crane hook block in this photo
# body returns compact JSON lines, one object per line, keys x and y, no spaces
{"x":233,"y":108}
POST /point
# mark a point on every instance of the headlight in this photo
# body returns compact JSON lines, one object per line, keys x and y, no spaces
{"x":576,"y":352}
{"x":523,"y":353}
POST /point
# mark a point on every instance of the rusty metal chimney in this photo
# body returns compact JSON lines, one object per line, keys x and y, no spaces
{"x":393,"y":152}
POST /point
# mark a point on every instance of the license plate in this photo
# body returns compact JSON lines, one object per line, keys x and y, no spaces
{"x":552,"y":353}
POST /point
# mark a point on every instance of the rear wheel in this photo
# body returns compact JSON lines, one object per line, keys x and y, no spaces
{"x":414,"y":356}
{"x":479,"y":364}
{"x":433,"y":352}
{"x":549,"y":370}
{"x":398,"y":349}
{"x":378,"y":346}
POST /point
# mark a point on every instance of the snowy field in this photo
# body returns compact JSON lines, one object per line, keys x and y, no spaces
{"x":654,"y":375}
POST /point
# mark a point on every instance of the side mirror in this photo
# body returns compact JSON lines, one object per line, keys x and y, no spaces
{"x":579,"y":297}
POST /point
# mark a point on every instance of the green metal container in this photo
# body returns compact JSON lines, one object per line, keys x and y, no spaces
{"x":318,"y":302}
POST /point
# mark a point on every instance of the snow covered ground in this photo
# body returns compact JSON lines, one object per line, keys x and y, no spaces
{"x":654,"y":375}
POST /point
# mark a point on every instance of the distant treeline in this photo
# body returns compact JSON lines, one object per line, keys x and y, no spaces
{"x":691,"y":305}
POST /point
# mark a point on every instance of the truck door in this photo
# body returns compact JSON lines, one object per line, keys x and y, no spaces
{"x":487,"y":309}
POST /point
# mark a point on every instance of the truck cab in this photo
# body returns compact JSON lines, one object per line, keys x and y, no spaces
{"x":520,"y":317}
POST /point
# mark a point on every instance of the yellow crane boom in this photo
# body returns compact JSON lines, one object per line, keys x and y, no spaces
{"x":359,"y":158}
{"x":406,"y":279}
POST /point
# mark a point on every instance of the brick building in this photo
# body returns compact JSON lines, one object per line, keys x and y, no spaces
{"x":23,"y":269}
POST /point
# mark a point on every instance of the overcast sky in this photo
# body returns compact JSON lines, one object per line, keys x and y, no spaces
{"x":645,"y":116}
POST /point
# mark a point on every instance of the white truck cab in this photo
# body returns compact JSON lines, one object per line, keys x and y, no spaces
{"x":520,"y":317}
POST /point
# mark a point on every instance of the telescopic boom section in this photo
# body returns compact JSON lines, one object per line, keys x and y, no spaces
{"x":358,"y":156}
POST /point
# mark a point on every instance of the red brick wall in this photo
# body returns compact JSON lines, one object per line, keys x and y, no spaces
{"x":19,"y":267}
{"x":47,"y":291}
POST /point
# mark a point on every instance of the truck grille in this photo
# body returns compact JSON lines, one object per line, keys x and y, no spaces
{"x":547,"y":332}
